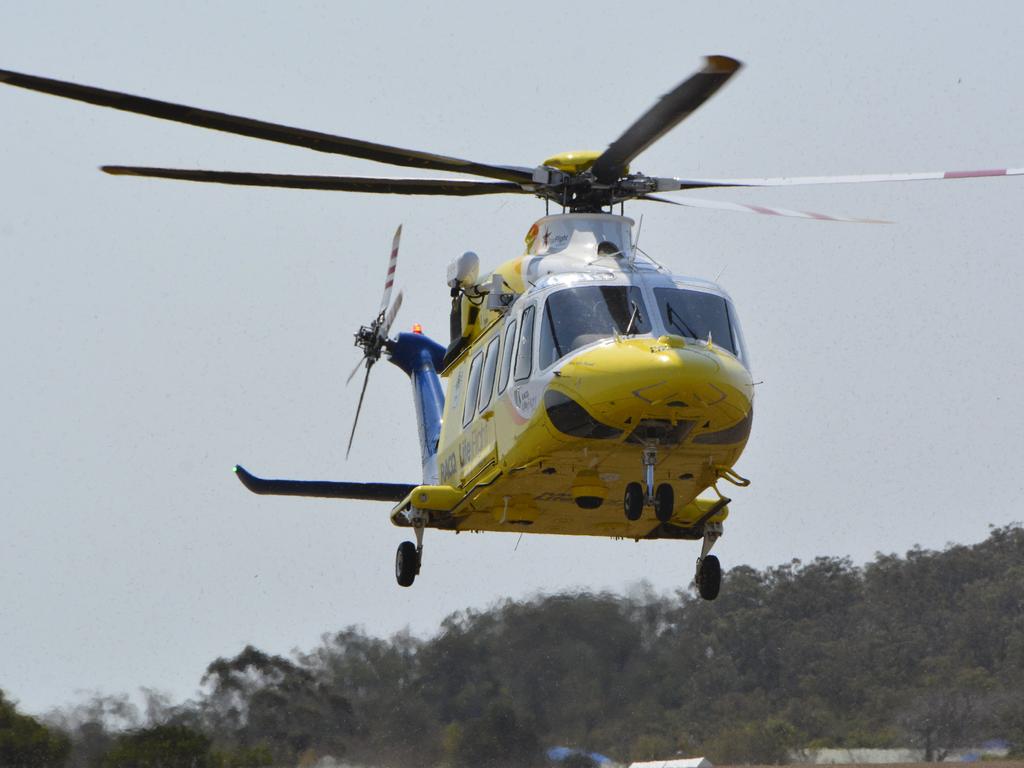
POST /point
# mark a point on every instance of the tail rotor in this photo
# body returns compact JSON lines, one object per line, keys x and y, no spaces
{"x":373,"y":338}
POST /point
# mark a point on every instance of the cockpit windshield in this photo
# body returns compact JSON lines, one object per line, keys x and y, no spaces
{"x":697,"y":315}
{"x":575,"y":317}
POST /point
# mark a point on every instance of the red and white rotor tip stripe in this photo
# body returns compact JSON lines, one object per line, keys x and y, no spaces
{"x":670,"y":185}
{"x":389,"y":279}
{"x":724,"y":205}
{"x":665,"y":185}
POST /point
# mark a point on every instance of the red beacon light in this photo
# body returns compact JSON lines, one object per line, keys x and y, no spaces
{"x":417,"y":328}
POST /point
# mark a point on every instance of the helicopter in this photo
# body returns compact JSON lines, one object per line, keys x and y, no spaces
{"x":589,"y":389}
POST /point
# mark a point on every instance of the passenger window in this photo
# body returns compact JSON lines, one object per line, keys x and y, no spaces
{"x":506,"y":356}
{"x":472,"y":389}
{"x":490,"y":368}
{"x":524,"y":358}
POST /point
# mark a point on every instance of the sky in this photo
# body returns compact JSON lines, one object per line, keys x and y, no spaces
{"x":156,"y":332}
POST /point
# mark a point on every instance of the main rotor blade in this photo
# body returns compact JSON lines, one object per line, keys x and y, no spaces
{"x":389,"y":278}
{"x":671,"y":108}
{"x":458,"y":187}
{"x":724,"y":205}
{"x":359,"y":407}
{"x":668,"y":185}
{"x":258,"y":129}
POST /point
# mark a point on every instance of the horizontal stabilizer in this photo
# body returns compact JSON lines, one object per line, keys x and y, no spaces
{"x":324,"y":489}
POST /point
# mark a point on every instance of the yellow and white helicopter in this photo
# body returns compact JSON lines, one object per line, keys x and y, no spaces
{"x":579,"y":373}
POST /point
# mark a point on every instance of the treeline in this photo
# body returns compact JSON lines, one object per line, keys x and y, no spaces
{"x":925,"y":650}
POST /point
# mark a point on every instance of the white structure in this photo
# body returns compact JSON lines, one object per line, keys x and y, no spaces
{"x":857,"y":756}
{"x":690,"y":762}
{"x":888,"y":756}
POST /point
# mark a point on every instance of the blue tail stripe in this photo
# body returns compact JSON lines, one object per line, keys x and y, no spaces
{"x":420,"y":357}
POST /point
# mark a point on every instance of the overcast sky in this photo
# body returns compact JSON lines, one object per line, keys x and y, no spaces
{"x":156,"y":332}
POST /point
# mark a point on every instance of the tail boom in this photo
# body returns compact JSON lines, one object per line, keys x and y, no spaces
{"x":420,"y":357}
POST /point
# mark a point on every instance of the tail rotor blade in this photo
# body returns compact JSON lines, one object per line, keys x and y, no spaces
{"x":373,"y":339}
{"x":392,"y":313}
{"x":389,"y":280}
{"x":354,"y":371}
{"x":359,"y":408}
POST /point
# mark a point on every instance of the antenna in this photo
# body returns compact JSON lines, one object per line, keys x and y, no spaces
{"x":635,"y":244}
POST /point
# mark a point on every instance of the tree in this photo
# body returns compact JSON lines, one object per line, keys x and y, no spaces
{"x":160,"y":746}
{"x":763,"y":742}
{"x":497,"y":739}
{"x":259,"y":699}
{"x":27,"y":743}
{"x":926,"y":647}
{"x":949,"y":711}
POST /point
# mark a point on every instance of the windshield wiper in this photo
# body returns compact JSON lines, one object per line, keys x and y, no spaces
{"x":632,"y":318}
{"x":554,"y":335}
{"x":686,"y":329}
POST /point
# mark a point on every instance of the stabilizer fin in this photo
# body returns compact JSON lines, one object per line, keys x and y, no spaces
{"x":324,"y":489}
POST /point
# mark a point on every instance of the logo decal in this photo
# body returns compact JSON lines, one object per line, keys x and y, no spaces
{"x":524,"y":400}
{"x":531,"y":236}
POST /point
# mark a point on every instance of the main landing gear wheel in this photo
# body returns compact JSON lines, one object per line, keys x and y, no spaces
{"x":709,"y":577}
{"x":410,"y":556}
{"x":664,"y":502}
{"x":407,"y":563}
{"x":634,"y":501}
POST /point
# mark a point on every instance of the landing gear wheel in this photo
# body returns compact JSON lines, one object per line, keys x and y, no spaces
{"x":709,"y":577}
{"x":407,"y":563}
{"x":633,"y":503}
{"x":664,"y":502}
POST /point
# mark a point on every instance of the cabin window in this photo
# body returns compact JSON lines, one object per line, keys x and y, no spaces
{"x":524,"y":359}
{"x":575,"y":317}
{"x":472,"y":389}
{"x":737,"y":334}
{"x":506,"y":356}
{"x":490,"y":368}
{"x":696,"y":315}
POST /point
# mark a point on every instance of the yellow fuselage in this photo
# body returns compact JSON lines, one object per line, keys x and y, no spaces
{"x":522,"y":456}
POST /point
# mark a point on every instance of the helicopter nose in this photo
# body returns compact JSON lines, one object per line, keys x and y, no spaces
{"x":662,"y":388}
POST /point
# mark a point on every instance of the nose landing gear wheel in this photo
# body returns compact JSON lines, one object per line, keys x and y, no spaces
{"x":709,"y":577}
{"x":634,"y":501}
{"x":407,"y":563}
{"x":664,"y":501}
